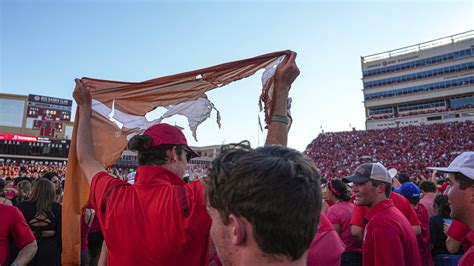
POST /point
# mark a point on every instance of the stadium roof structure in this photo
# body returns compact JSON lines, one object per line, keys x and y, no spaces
{"x":419,"y":47}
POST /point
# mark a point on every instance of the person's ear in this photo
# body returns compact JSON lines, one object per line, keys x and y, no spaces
{"x":171,"y":155}
{"x":238,"y":232}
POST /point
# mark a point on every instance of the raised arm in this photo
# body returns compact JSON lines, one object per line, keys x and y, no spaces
{"x":85,"y":148}
{"x":286,"y":73}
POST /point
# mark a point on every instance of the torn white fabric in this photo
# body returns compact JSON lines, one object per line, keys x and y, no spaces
{"x":195,"y":111}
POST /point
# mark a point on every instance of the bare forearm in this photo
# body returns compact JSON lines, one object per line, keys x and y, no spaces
{"x":356,"y":232}
{"x":85,"y":147}
{"x":278,"y":131}
{"x":26,"y":254}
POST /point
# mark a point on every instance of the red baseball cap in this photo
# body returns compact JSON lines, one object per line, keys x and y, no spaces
{"x":167,"y":134}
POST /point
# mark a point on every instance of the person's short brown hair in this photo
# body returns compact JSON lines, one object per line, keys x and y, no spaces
{"x":148,"y":155}
{"x":427,"y":186}
{"x":277,"y":189}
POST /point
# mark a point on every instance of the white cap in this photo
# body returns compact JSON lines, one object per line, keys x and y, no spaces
{"x":463,"y":164}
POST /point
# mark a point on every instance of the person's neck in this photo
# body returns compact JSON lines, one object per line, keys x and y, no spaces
{"x":259,"y":258}
{"x":377,"y":201}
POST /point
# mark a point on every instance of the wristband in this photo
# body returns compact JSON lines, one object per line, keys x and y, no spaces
{"x":280,"y":118}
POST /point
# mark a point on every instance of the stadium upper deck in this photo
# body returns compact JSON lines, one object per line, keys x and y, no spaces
{"x":429,"y":82}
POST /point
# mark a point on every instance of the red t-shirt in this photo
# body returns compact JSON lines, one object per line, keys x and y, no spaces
{"x":400,"y":202}
{"x":340,"y":213}
{"x":13,"y":227}
{"x":160,"y":220}
{"x":458,"y":231}
{"x":327,"y":247}
{"x":424,"y":238}
{"x":427,"y":201}
{"x":468,"y":258}
{"x":389,"y":238}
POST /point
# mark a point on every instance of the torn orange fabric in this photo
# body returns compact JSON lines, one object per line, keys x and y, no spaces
{"x":133,"y":101}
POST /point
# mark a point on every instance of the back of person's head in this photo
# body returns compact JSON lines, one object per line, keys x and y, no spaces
{"x":148,"y":155}
{"x":339,"y":189}
{"x":276,"y":189}
{"x":50,"y":175}
{"x":441,"y":204}
{"x":427,"y":186}
{"x":403,"y":178}
{"x":410,"y":191}
{"x":19,"y":179}
{"x":43,"y":194}
{"x":24,"y":189}
{"x":153,"y":146}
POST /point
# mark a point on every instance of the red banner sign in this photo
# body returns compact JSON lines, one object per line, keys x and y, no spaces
{"x":21,"y":138}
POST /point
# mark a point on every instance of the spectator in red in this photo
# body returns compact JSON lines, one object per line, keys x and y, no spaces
{"x":461,"y":197}
{"x":340,"y":214}
{"x":402,"y":204}
{"x":411,"y":191}
{"x":86,"y":221}
{"x":327,"y":247}
{"x":388,"y":237}
{"x":428,"y":191}
{"x":14,"y":229}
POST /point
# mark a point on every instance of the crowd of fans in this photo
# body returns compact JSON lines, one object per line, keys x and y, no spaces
{"x":408,"y":149}
{"x":30,"y":168}
{"x":34,"y":184}
{"x":419,"y":112}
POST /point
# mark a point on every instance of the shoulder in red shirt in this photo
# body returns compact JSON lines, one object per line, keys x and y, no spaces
{"x":327,"y":247}
{"x":424,"y":238}
{"x":468,"y":258}
{"x":402,"y":204}
{"x":159,"y":220}
{"x":13,"y":228}
{"x":388,"y":238}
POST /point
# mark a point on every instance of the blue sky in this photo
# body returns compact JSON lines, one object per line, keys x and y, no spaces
{"x":46,"y":44}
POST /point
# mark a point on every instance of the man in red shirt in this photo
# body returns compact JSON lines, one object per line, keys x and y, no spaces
{"x":327,"y":247}
{"x":161,"y":220}
{"x":428,"y":190}
{"x":411,"y":192}
{"x":461,"y":197}
{"x":388,"y":237}
{"x":14,"y":229}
